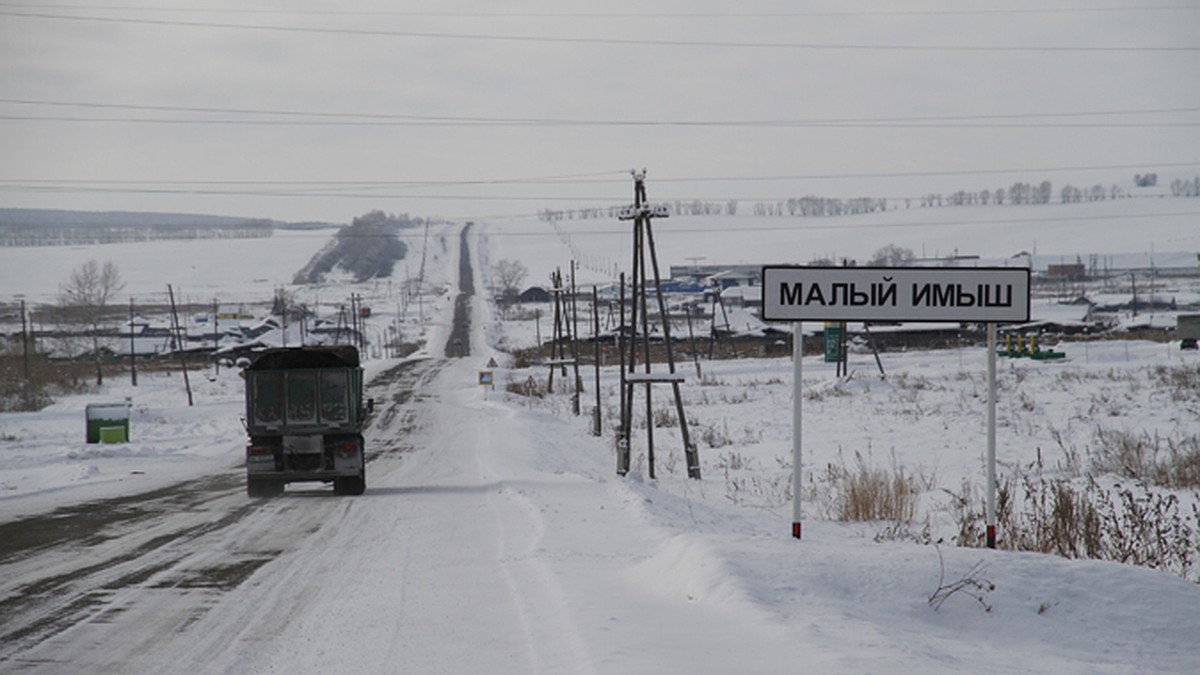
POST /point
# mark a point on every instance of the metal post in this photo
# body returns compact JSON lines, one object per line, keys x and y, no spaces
{"x":991,"y":436}
{"x":797,"y":391}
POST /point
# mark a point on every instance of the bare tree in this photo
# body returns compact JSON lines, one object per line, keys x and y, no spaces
{"x":85,"y":294}
{"x":1044,"y":191}
{"x":893,"y":256}
{"x":509,"y":274}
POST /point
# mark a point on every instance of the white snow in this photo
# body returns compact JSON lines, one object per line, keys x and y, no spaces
{"x":504,"y":542}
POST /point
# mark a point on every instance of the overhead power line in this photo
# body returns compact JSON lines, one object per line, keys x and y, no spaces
{"x":580,"y":202}
{"x":594,"y":177}
{"x":333,"y":118}
{"x":628,"y":42}
{"x":822,"y":125}
{"x":748,"y":224}
{"x":790,"y":223}
{"x":585,"y":15}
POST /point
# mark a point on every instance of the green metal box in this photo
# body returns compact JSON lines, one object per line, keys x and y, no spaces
{"x":107,"y":422}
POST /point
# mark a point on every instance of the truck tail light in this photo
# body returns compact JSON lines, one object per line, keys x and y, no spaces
{"x":345,"y":448}
{"x":259,"y":450}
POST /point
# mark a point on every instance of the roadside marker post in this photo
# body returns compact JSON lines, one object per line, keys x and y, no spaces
{"x":910,"y":294}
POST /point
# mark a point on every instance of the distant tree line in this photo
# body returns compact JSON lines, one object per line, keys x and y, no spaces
{"x":50,"y":234}
{"x":1019,"y":193}
{"x":368,"y":248}
{"x":811,"y":206}
{"x":1186,"y":188}
{"x":695,"y":207}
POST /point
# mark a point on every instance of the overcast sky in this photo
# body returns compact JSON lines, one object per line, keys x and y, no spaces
{"x":323,"y":110}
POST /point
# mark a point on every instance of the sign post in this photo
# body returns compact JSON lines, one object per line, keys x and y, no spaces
{"x":911,"y":294}
{"x":991,"y":436}
{"x":797,"y":391}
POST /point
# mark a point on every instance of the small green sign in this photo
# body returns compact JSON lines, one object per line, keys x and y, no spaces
{"x":833,"y":336}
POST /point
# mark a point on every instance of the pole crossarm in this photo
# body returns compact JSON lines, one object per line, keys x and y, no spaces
{"x":655,"y":378}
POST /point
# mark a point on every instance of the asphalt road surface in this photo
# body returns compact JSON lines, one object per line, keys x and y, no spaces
{"x":458,"y":345}
{"x":89,"y":585}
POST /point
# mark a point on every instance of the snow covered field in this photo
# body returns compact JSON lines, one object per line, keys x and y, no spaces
{"x":1136,"y":232}
{"x":503,"y":541}
{"x":202,"y":269}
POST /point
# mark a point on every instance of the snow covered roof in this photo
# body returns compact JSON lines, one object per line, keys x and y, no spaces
{"x":746,"y":293}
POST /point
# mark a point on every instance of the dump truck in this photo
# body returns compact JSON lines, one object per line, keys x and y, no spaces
{"x":305,"y":414}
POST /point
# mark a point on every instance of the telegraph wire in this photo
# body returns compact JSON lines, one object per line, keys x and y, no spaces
{"x":595,"y":177}
{"x":610,"y":123}
{"x":465,"y":118}
{"x":793,"y":223}
{"x":607,"y":15}
{"x":624,"y":42}
{"x":329,"y":118}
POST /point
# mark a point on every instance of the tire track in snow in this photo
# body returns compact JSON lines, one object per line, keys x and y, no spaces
{"x":552,"y":637}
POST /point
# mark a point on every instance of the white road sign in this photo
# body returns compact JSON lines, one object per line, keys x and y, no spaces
{"x":983,"y":294}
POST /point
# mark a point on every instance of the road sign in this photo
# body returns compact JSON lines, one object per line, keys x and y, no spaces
{"x":977,"y":294}
{"x":983,"y":294}
{"x":833,"y":338}
{"x":485,"y":378}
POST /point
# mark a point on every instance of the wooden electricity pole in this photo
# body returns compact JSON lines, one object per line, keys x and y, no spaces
{"x":25,"y":341}
{"x":596,"y":426}
{"x":180,"y":344}
{"x":641,"y":214}
{"x":132,"y":348}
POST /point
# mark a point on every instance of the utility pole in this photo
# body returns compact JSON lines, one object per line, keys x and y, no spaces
{"x":641,"y":214}
{"x":132,"y":349}
{"x":1133,"y":282}
{"x":25,"y":340}
{"x":575,"y":341}
{"x":713,"y":333}
{"x":623,"y":423}
{"x":179,"y":345}
{"x":216,"y":341}
{"x":562,"y":333}
{"x":597,"y":429}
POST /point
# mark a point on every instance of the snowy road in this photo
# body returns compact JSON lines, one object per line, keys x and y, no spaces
{"x":494,"y":537}
{"x":443,"y":566}
{"x":483,"y":544}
